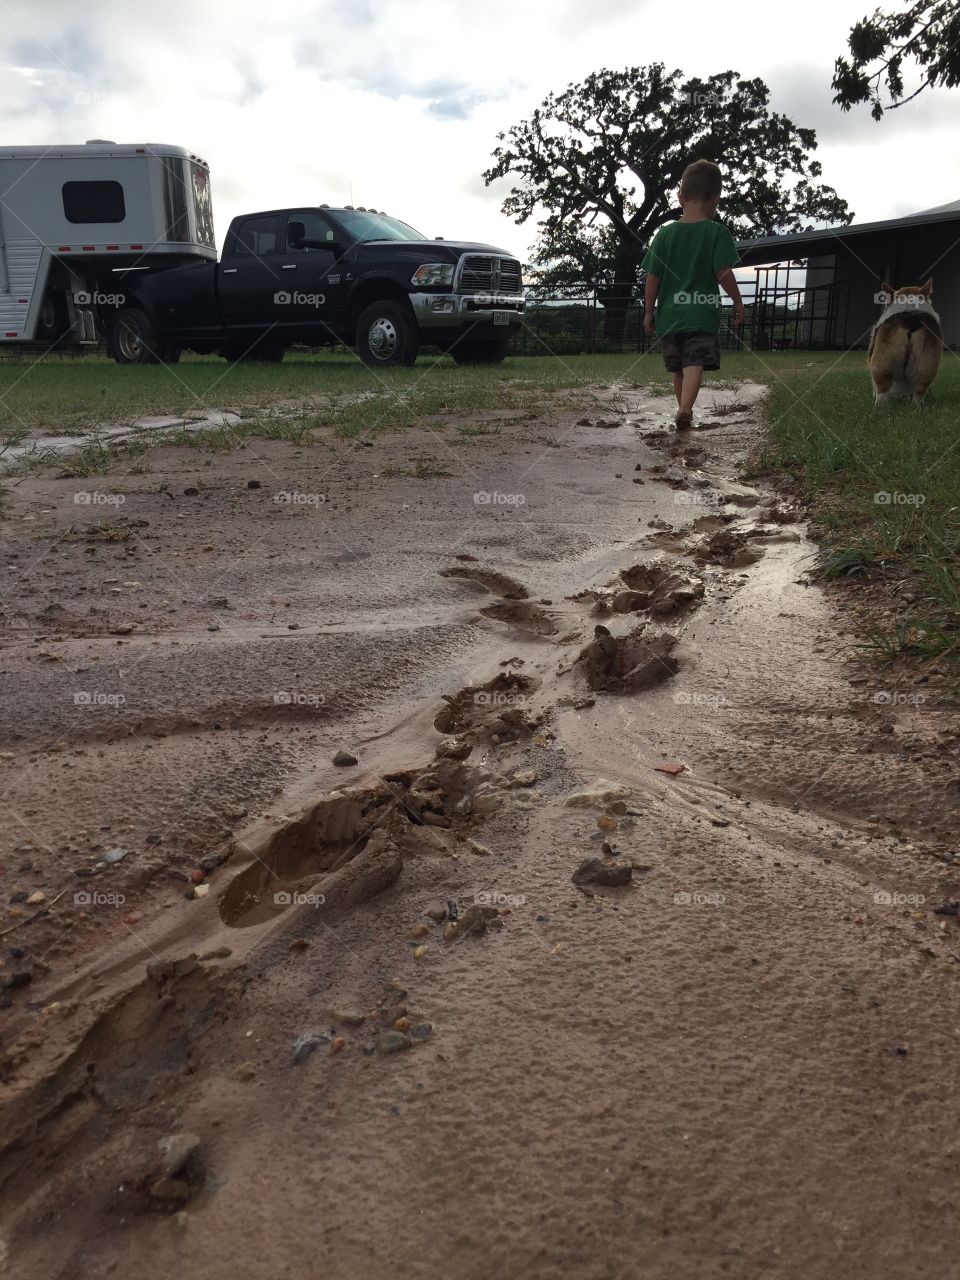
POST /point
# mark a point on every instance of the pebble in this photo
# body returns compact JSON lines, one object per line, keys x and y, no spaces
{"x":393,"y":1042}
{"x":175,"y":1150}
{"x":525,"y":777}
{"x":170,"y":1189}
{"x":246,"y":1071}
{"x":421,"y":1031}
{"x":344,"y":758}
{"x":305,"y":1044}
{"x":596,"y":871}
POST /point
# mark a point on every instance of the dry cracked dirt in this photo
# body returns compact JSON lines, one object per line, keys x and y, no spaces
{"x":621,"y":942}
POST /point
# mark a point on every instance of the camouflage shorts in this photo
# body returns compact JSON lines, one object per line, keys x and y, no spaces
{"x":681,"y":350}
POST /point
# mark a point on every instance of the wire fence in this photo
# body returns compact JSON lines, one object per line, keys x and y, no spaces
{"x":575,"y":321}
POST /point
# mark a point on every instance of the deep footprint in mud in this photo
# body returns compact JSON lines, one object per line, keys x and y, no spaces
{"x":498,"y":709}
{"x":500,"y":584}
{"x":630,"y":663}
{"x":726,"y":547}
{"x":658,"y":589}
{"x":524,"y":615}
{"x":347,"y":829}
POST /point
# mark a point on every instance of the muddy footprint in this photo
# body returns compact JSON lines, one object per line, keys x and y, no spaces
{"x":500,"y":584}
{"x":523,"y":614}
{"x":630,"y":663}
{"x":498,"y":709}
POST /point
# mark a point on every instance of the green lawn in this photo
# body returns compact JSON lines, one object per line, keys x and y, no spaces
{"x":885,"y":486}
{"x":74,"y":396}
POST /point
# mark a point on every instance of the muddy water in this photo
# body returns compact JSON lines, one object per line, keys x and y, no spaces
{"x":618,"y":1081}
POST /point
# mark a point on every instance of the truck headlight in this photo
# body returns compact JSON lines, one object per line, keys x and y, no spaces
{"x":433,"y":273}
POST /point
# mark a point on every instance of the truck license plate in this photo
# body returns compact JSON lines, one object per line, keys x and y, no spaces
{"x":501,"y":317}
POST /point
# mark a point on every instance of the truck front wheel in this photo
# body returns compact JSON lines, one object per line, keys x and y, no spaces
{"x":134,"y":340}
{"x":481,"y":351}
{"x":387,"y":335}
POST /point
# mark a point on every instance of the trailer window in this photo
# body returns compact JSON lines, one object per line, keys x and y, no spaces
{"x":202,"y":208}
{"x":93,"y":202}
{"x":175,"y":199}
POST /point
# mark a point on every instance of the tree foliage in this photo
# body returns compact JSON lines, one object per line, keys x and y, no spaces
{"x":926,"y":34}
{"x":598,"y":165}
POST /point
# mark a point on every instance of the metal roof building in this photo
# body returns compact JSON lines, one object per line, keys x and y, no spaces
{"x":835,"y":306}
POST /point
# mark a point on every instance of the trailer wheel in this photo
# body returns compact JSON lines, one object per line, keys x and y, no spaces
{"x":481,"y":351}
{"x":53,"y":324}
{"x":387,"y":335}
{"x":133,"y":339}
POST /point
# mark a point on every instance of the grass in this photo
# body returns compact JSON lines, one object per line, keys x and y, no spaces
{"x":885,"y":490}
{"x":74,"y":397}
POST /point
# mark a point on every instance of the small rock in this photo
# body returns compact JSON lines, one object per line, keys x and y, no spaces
{"x":421,"y":1031}
{"x":393,"y":1042}
{"x":402,"y":1024}
{"x":451,"y":930}
{"x":436,"y":914}
{"x":36,"y":898}
{"x":171,"y":1190}
{"x":344,"y":758}
{"x":190,"y":492}
{"x":246,"y":1071}
{"x":478,"y":918}
{"x":254,"y":484}
{"x":175,"y":1150}
{"x":596,"y":871}
{"x":305,"y":1044}
{"x":337,"y":1045}
{"x":419,"y":931}
{"x":420,"y":952}
{"x":348,"y":1017}
{"x":211,"y":861}
{"x":200,"y":891}
{"x":525,"y":778}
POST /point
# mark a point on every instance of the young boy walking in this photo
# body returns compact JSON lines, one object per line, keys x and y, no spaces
{"x":686,"y":262}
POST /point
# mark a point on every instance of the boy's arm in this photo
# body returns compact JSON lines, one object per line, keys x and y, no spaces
{"x":728,"y":283}
{"x":650,"y":291}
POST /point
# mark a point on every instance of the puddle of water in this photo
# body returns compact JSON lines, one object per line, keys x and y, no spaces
{"x":46,"y":445}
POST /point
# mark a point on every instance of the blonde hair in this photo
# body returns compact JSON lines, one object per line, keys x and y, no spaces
{"x":701,"y":180}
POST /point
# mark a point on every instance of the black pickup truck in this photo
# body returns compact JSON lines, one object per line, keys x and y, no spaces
{"x":320,"y":276}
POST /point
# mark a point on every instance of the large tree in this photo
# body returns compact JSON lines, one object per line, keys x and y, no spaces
{"x":600,"y":164}
{"x":926,"y":34}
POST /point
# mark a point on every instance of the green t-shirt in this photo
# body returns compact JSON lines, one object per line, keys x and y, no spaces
{"x":687,"y":256}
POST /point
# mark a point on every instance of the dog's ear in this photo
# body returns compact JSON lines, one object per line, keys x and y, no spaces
{"x":886,"y":293}
{"x":926,"y":288}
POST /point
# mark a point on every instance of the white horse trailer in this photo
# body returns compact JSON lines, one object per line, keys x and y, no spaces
{"x":76,"y":221}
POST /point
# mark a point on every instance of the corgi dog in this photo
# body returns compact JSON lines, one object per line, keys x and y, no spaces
{"x":906,"y":343}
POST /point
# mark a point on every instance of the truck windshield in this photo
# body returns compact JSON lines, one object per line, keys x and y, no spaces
{"x":375,"y":226}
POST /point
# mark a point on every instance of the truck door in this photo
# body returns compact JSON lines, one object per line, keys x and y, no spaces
{"x":250,"y":275}
{"x":313,"y":274}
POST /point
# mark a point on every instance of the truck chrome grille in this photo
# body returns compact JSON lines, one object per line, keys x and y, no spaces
{"x":485,"y":273}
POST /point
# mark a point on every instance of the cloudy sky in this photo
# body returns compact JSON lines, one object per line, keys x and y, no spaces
{"x":398,"y":102}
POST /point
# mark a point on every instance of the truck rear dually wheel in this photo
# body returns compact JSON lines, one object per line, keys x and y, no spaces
{"x":387,"y":335}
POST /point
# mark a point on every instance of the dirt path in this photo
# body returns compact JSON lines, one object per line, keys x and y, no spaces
{"x":738,"y":1063}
